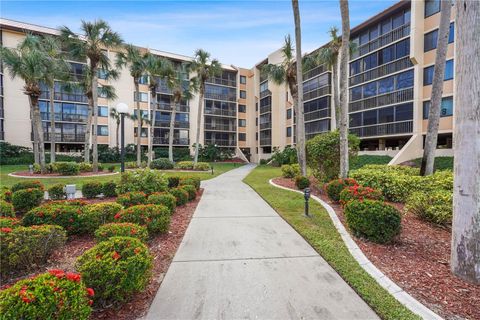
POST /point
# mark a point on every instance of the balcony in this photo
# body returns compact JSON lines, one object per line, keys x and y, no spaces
{"x":220,"y":127}
{"x":64,"y":96}
{"x":266,"y":142}
{"x":68,"y":117}
{"x":168,"y":107}
{"x":176,"y":141}
{"x":221,"y":142}
{"x":64,"y":137}
{"x":316,"y":93}
{"x":382,"y":100}
{"x":314,"y":72}
{"x":223,"y":82}
{"x":317,"y":114}
{"x":221,"y":112}
{"x":216,"y":96}
{"x":383,"y":40}
{"x":265,"y":109}
{"x":267,"y":125}
{"x":400,"y":64}
{"x":384,"y":129}
{"x":265,"y":93}
{"x":177,"y":124}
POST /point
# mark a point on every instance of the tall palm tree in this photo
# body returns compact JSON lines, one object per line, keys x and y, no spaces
{"x":29,"y":63}
{"x":343,"y":78}
{"x":138,"y":64}
{"x":182,"y":90}
{"x":96,"y":37}
{"x":115,"y":115}
{"x":141,"y":119}
{"x":428,"y":158}
{"x":466,"y":192}
{"x":205,"y":68}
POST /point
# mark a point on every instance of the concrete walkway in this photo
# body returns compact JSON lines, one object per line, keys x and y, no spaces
{"x":240,"y":260}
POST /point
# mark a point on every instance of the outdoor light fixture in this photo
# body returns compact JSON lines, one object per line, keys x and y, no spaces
{"x":70,"y":190}
{"x":30,"y":168}
{"x":306,"y":195}
{"x":122,"y":108}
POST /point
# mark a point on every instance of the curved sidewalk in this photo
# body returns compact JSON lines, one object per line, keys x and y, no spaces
{"x":240,"y":259}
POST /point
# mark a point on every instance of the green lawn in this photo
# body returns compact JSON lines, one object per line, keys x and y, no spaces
{"x":320,"y":232}
{"x":6,"y":180}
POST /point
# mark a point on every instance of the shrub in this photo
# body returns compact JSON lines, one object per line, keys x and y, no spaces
{"x":192,"y":192}
{"x":302,"y":182}
{"x":91,"y":190}
{"x":109,"y":189}
{"x":66,"y":216}
{"x":201,"y":166}
{"x":125,"y":229}
{"x":287,"y":156}
{"x":32,"y":184}
{"x":161,"y":164}
{"x":116,"y":269}
{"x":57,"y":192}
{"x":146,"y":180}
{"x":179,"y":194}
{"x":323,"y":154}
{"x":52,"y":295}
{"x":6,"y":209}
{"x":434,"y":206}
{"x":440,"y":180}
{"x":185,"y":165}
{"x":290,"y":171}
{"x":100,"y":167}
{"x":85,"y":167}
{"x":7,"y":222}
{"x":163,"y":198}
{"x":111,"y":168}
{"x":5,"y":194}
{"x":173,"y":181}
{"x":155,"y":217}
{"x":132,"y":199}
{"x":193,"y":181}
{"x":131,"y":165}
{"x":373,"y":220}
{"x":334,"y":187}
{"x":95,"y":215}
{"x":361,"y":193}
{"x":26,"y":199}
{"x":24,"y":247}
{"x":66,"y":168}
{"x":263,"y":161}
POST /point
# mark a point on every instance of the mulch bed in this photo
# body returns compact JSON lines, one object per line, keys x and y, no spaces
{"x":53,"y":175}
{"x":418,"y":261}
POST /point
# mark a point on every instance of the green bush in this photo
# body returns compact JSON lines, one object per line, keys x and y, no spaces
{"x":334,"y":187}
{"x":290,"y":171}
{"x":302,"y":182}
{"x":25,"y":247}
{"x":51,"y":295}
{"x":8,"y":222}
{"x":433,"y":206}
{"x":92,"y":189}
{"x":192,"y":192}
{"x":155,"y":217}
{"x":373,"y":220}
{"x":67,"y":216}
{"x":109,"y":189}
{"x":116,"y":269}
{"x":179,"y":154}
{"x":162,"y":198}
{"x":146,"y":180}
{"x":31,"y":184}
{"x":161,"y":164}
{"x":6,"y":209}
{"x":179,"y":194}
{"x":97,"y":214}
{"x":323,"y":154}
{"x":26,"y":199}
{"x":66,"y":168}
{"x":440,"y":180}
{"x":193,"y":181}
{"x":85,"y":167}
{"x":111,"y":168}
{"x":124,"y":229}
{"x":131,"y":165}
{"x":185,"y":165}
{"x":287,"y":156}
{"x":201,"y":166}
{"x":57,"y":192}
{"x":362,"y":160}
{"x":358,"y":192}
{"x":5,"y":194}
{"x":263,"y":161}
{"x":132,"y":199}
{"x":173,"y":181}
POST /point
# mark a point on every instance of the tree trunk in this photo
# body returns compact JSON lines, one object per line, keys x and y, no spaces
{"x":153,"y":98}
{"x":171,"y":131}
{"x":52,"y":124}
{"x":437,"y":89}
{"x":95,"y":119}
{"x":117,"y":133}
{"x":199,"y":122}
{"x":39,"y":129}
{"x":343,"y":77}
{"x":299,"y":108}
{"x":466,"y":191}
{"x":36,"y":156}
{"x":139,"y":124}
{"x":88,"y":130}
{"x":336,"y":97}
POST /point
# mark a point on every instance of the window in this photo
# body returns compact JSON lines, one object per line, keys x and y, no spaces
{"x":356,"y":119}
{"x":102,"y":130}
{"x":386,"y":115}
{"x":398,"y":20}
{"x":364,"y":38}
{"x":448,"y":70}
{"x":428,"y":73}
{"x":243,"y":94}
{"x":355,"y":67}
{"x":451,"y":33}
{"x":101,"y":93}
{"x":386,"y":55}
{"x":405,"y":80}
{"x":102,"y":74}
{"x":143,"y":79}
{"x":385,"y":85}
{"x":386,"y":26}
{"x":243,"y":79}
{"x":431,"y":7}
{"x":102,"y":111}
{"x":370,"y":117}
{"x":144,"y":132}
{"x":402,"y":48}
{"x":430,"y":39}
{"x":370,"y":62}
{"x":374,"y":33}
{"x":256,"y":121}
{"x":356,"y":93}
{"x":289,"y":132}
{"x":142,"y":96}
{"x":289,"y":113}
{"x":242,"y":122}
{"x":242,"y":108}
{"x":446,"y":108}
{"x":242,"y":137}
{"x":370,"y":89}
{"x":404,"y":112}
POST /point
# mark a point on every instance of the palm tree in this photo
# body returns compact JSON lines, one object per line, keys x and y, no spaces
{"x":204,"y":69}
{"x":96,"y":37}
{"x":30,"y":63}
{"x":343,"y":88}
{"x":182,"y":90}
{"x":114,"y":114}
{"x":466,"y":192}
{"x":141,"y":119}
{"x":428,"y":158}
{"x":138,"y":64}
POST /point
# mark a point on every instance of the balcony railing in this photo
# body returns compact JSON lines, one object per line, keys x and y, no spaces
{"x":177,"y":124}
{"x":265,"y":93}
{"x":2,"y":113}
{"x":316,"y":93}
{"x":223,"y":82}
{"x":64,"y":96}
{"x":220,"y":127}
{"x":176,"y":141}
{"x":69,"y":117}
{"x":64,"y":137}
{"x":265,"y":109}
{"x":221,"y":112}
{"x":384,"y":129}
{"x":400,"y":64}
{"x":314,"y":72}
{"x":317,"y":114}
{"x":221,"y":142}
{"x":382,"y":100}
{"x":168,"y":107}
{"x":266,"y":142}
{"x":383,"y":40}
{"x":267,"y":125}
{"x":216,"y":96}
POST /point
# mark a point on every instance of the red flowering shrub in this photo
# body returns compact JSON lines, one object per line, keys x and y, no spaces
{"x":67,"y":216}
{"x":6,"y":222}
{"x":192,"y":192}
{"x":23,"y":247}
{"x":334,"y":187}
{"x":115,"y":269}
{"x":30,"y":184}
{"x":132,"y":198}
{"x":6,"y":209}
{"x":155,"y":217}
{"x":26,"y":199}
{"x":163,"y":198}
{"x":180,"y":194}
{"x":94,"y":215}
{"x":52,"y":295}
{"x":124,"y":229}
{"x":360,"y":193}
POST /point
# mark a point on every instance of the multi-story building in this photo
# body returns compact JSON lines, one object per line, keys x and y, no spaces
{"x":390,"y":76}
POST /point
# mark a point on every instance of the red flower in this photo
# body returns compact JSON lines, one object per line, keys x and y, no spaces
{"x":136,"y":250}
{"x":117,"y":216}
{"x":6,"y":230}
{"x":57,"y":273}
{"x":75,"y":277}
{"x":90,"y":292}
{"x":90,"y":302}
{"x":115,"y":255}
{"x":26,"y":300}
{"x":70,"y":220}
{"x":133,"y":231}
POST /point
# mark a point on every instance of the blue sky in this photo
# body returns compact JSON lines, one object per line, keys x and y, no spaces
{"x":235,"y":32}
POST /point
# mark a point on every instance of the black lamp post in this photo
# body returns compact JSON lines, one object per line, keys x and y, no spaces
{"x":306,"y":195}
{"x":122,"y":108}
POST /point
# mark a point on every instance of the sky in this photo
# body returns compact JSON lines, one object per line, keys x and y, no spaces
{"x":236,"y":32}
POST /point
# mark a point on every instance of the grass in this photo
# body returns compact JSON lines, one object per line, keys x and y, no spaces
{"x":320,"y":232}
{"x":441,"y":163}
{"x":7,"y":181}
{"x":364,"y":159}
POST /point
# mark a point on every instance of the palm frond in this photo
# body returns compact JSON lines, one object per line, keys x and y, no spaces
{"x":276,"y":73}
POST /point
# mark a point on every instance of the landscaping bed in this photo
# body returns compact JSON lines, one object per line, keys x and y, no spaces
{"x":28,"y":174}
{"x":418,"y":261}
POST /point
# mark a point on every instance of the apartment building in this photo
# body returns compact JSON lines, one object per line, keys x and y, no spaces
{"x":390,"y":76}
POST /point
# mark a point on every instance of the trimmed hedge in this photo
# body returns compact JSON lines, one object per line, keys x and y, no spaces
{"x":302,"y":182}
{"x":290,"y":170}
{"x":145,"y":180}
{"x":26,"y":199}
{"x":57,"y":192}
{"x":92,"y":190}
{"x":155,"y":217}
{"x":95,"y":215}
{"x":179,"y":194}
{"x":173,"y":181}
{"x":109,"y":189}
{"x":359,"y":193}
{"x":67,"y":216}
{"x":192,"y":192}
{"x":161,"y":164}
{"x":194,"y":181}
{"x":31,"y":184}
{"x":66,"y":168}
{"x":132,"y":199}
{"x":334,"y":187}
{"x":124,"y":229}
{"x":435,"y":206}
{"x":7,"y":222}
{"x":190,"y":165}
{"x":163,"y":198}
{"x":6,"y":209}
